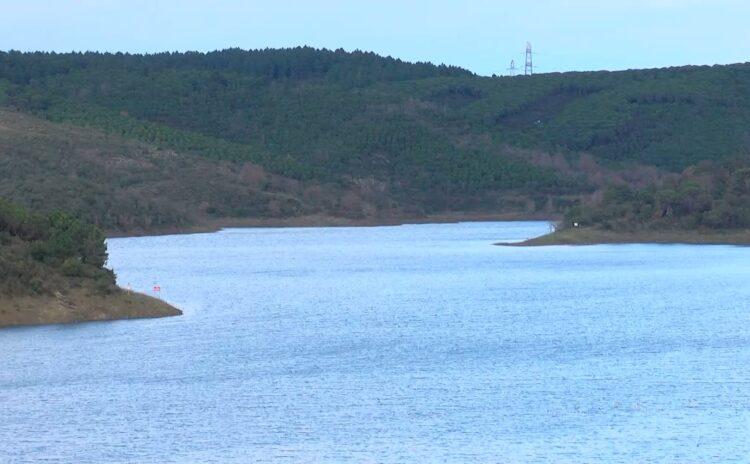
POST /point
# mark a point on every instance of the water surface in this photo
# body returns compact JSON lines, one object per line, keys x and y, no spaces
{"x":418,"y":343}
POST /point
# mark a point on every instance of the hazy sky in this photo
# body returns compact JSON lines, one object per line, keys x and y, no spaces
{"x":480,"y":35}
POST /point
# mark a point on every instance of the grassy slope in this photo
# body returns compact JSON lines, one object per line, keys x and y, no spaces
{"x":116,"y":183}
{"x":126,"y":186}
{"x":80,"y":305}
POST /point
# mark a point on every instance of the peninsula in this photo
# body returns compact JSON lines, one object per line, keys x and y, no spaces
{"x":52,"y":270}
{"x":705,"y":204}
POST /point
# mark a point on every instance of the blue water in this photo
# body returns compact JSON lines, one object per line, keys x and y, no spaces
{"x":419,"y":343}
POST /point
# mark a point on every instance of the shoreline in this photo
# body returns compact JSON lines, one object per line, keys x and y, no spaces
{"x":572,"y":237}
{"x":80,"y":306}
{"x":586,"y":236}
{"x":216,"y":225}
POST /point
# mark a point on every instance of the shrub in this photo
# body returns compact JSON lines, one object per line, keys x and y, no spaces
{"x":73,"y":267}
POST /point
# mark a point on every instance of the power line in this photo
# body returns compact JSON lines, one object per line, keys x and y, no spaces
{"x":512,"y":69}
{"x":529,"y":67}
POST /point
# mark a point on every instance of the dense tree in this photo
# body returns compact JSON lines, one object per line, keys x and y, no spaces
{"x":38,"y":252}
{"x":709,"y":196}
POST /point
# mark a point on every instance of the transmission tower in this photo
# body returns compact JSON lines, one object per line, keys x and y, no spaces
{"x":512,"y":69}
{"x":529,"y":68}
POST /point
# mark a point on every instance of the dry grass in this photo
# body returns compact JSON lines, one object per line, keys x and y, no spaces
{"x":80,"y":305}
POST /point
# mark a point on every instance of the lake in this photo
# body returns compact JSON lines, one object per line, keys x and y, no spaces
{"x":415,"y":343}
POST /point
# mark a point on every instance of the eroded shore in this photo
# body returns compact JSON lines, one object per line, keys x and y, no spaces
{"x":588,"y":236}
{"x":81,"y":306}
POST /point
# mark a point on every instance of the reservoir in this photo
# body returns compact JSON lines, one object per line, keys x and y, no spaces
{"x":414,"y":343}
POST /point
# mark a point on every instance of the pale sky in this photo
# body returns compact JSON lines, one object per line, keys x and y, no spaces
{"x":480,"y":35}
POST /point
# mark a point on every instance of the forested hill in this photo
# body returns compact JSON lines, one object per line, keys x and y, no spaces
{"x":294,"y":63}
{"x":380,"y":134}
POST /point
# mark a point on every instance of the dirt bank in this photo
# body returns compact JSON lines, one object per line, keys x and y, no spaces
{"x":79,"y":306}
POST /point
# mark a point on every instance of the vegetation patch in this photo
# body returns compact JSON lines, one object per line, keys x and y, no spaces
{"x":52,"y":269}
